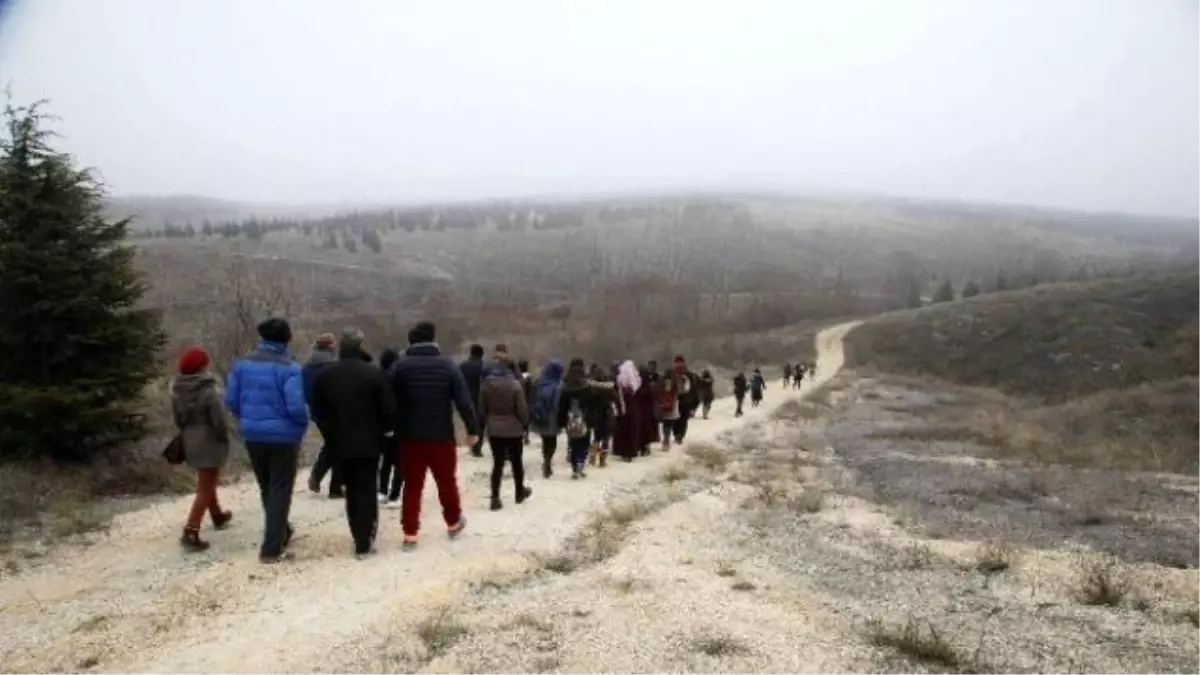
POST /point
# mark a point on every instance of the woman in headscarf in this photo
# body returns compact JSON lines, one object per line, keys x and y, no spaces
{"x":543,"y":415}
{"x":627,"y":432}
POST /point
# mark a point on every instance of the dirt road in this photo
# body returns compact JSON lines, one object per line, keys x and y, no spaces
{"x":134,"y":602}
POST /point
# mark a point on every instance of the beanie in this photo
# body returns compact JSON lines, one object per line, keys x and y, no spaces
{"x":193,"y":360}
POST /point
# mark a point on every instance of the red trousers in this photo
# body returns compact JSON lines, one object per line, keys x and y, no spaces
{"x":439,"y":458}
{"x":206,"y":498}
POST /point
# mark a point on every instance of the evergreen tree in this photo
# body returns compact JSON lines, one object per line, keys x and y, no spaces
{"x":1001,"y":281}
{"x":78,"y":349}
{"x":970,"y":290}
{"x":371,"y":240}
{"x":945,"y":292}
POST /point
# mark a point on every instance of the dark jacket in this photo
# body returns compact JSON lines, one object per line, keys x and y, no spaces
{"x":200,"y":418}
{"x":426,"y":384}
{"x":503,"y":410}
{"x":704,"y":388}
{"x":739,"y":385}
{"x":265,"y":392}
{"x":472,"y":372}
{"x":354,"y":407}
{"x":600,"y":413}
{"x":574,"y":390}
{"x":320,"y":360}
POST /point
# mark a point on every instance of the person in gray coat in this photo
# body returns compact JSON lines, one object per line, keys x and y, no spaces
{"x":199,"y":416}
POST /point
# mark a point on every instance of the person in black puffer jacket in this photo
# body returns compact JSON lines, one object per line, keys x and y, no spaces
{"x":323,"y":356}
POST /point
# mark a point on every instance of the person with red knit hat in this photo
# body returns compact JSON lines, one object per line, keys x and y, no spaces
{"x":199,"y":416}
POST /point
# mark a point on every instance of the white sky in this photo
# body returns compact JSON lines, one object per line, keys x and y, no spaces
{"x":1072,"y":103}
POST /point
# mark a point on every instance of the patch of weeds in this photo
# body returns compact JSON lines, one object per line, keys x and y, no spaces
{"x":927,"y":645}
{"x":994,"y":557}
{"x":726,"y":569}
{"x":917,"y":556}
{"x":709,"y":456}
{"x":1192,"y":615}
{"x":440,"y":631}
{"x":560,"y":564}
{"x":810,"y":500}
{"x":1091,"y":514}
{"x":1102,"y":582}
{"x":545,"y":664}
{"x":89,"y":662}
{"x":796,"y":411}
{"x":69,"y":518}
{"x":674,"y":474}
{"x":581,"y":613}
{"x":743,"y":585}
{"x":527,"y":620}
{"x":625,"y":585}
{"x":91,"y":624}
{"x":718,"y":645}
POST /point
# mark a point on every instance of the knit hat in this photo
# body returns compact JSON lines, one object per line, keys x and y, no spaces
{"x":325,"y":341}
{"x":193,"y":360}
{"x":275,"y":330}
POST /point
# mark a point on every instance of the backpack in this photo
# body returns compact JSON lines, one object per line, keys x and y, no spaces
{"x":576,"y":424}
{"x":543,"y":407}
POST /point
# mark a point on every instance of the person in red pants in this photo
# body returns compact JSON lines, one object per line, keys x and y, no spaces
{"x":427,"y":386}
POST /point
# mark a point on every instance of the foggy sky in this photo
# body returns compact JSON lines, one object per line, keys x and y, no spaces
{"x":1072,"y":103}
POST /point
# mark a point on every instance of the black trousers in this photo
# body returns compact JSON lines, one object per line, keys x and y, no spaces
{"x":510,"y":450}
{"x":477,"y":449}
{"x":391,"y":478}
{"x":740,"y":398}
{"x":549,"y":445}
{"x":362,"y":507}
{"x":275,"y":470}
{"x":324,"y":465}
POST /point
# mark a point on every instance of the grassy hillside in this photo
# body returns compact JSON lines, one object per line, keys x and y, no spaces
{"x":1102,"y":374}
{"x":1056,"y":341}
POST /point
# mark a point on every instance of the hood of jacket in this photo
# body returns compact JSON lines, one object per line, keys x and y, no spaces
{"x":189,"y":388}
{"x":499,"y":371}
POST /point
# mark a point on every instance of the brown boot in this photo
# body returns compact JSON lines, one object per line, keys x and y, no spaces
{"x":592,"y":452}
{"x":603,"y":458}
{"x":191,"y":541}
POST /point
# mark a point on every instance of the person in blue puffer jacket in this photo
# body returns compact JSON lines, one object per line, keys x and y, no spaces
{"x":265,"y":393}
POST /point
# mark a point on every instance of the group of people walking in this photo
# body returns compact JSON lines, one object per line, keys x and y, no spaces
{"x":386,"y":426}
{"x":793,"y":375}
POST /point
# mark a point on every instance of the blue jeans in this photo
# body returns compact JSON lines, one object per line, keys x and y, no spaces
{"x":579,"y":451}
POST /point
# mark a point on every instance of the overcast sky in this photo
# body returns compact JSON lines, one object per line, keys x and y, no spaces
{"x":1071,"y":103}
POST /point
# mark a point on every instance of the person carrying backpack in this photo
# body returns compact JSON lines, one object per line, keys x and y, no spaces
{"x":739,"y":392}
{"x":757,"y":386}
{"x":574,"y":402}
{"x":543,"y":415}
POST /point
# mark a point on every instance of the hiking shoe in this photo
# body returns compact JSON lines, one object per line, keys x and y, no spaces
{"x":287,"y":536}
{"x":191,"y":541}
{"x":364,"y":553}
{"x":383,"y":498}
{"x":314,"y":485}
{"x":410,"y":542}
{"x":337,"y":494}
{"x":457,"y":528}
{"x":391,"y":504}
{"x":496,"y":504}
{"x":546,"y":470}
{"x":523,"y":494}
{"x":275,"y":559}
{"x":221,"y":520}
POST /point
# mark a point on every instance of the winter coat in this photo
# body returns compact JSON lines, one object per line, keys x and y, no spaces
{"x":503,"y":410}
{"x":603,"y":400}
{"x":472,"y":372}
{"x":200,"y":418}
{"x":704,"y":388}
{"x":647,"y":403}
{"x":320,"y":360}
{"x":628,"y":428}
{"x":265,"y":392}
{"x":671,"y":383}
{"x":426,"y":384}
{"x":548,"y":386}
{"x":739,"y":385}
{"x":354,"y":407}
{"x":757,"y":384}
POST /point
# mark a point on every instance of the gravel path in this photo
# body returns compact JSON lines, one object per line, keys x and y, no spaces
{"x":134,"y":602}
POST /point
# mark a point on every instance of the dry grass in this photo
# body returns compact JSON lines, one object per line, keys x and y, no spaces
{"x":718,"y":644}
{"x":917,"y":556}
{"x":1103,"y":582}
{"x":743,"y":586}
{"x":796,"y":411}
{"x":993,"y":557}
{"x":726,"y":569}
{"x":708,"y":455}
{"x":603,"y":535}
{"x":440,"y":631}
{"x":674,"y":474}
{"x":809,"y":500}
{"x":925,"y":644}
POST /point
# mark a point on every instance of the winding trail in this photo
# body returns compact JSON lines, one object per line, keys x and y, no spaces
{"x":134,"y":602}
